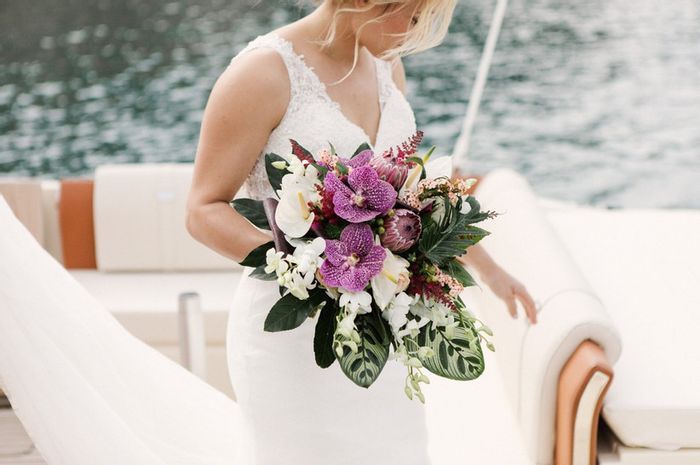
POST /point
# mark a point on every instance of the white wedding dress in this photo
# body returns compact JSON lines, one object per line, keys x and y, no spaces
{"x":90,"y":393}
{"x":298,"y":412}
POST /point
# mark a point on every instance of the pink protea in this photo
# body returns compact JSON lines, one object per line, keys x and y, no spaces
{"x":393,"y":167}
{"x":401,"y":230}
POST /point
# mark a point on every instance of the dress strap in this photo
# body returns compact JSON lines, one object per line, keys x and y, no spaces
{"x":301,"y":84}
{"x":385,"y":80}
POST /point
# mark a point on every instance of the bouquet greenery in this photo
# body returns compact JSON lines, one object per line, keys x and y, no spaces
{"x":368,"y":246}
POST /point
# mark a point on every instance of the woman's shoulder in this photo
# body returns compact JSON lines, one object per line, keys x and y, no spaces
{"x":256,"y":80}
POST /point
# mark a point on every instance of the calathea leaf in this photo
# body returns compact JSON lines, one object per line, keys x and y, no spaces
{"x":274,"y":175}
{"x":459,"y":358}
{"x":363,"y":367}
{"x":323,"y":334}
{"x":252,"y":210}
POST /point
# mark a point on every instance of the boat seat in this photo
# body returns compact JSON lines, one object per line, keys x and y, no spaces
{"x":648,"y":283}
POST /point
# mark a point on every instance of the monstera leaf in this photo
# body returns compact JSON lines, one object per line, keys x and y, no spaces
{"x":459,"y":358}
{"x":363,"y":367}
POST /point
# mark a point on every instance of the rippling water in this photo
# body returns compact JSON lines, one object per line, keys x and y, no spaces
{"x":596,"y":101}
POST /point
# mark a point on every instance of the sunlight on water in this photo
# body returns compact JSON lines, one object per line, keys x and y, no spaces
{"x":596,"y":102}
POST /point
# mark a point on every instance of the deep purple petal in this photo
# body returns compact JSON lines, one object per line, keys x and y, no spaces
{"x":331,"y":183}
{"x":381,"y":196}
{"x":355,"y":278}
{"x":358,"y":237}
{"x":362,"y":177}
{"x":373,"y":261}
{"x":352,"y":213}
{"x":336,"y":251}
{"x":331,"y":273}
{"x":360,"y":159}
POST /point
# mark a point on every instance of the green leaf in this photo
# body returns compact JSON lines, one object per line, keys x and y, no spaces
{"x":342,"y":169}
{"x":256,"y":257}
{"x":322,"y":170}
{"x":459,"y":358}
{"x":273,"y":174}
{"x":259,"y":273}
{"x":363,"y":367}
{"x":474,"y":215}
{"x":362,"y":147}
{"x":289,"y":312}
{"x":450,"y":237}
{"x":323,"y":335}
{"x":456,"y":269}
{"x":253,"y":211}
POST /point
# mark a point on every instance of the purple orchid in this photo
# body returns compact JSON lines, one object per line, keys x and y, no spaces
{"x":358,"y":160}
{"x":365,"y":199}
{"x":353,"y":260}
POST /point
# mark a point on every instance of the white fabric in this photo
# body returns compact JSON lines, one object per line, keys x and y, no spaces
{"x":313,"y":118}
{"x":300,"y":413}
{"x":139,"y":217}
{"x":645,"y":266}
{"x":530,"y":358}
{"x":86,"y":390}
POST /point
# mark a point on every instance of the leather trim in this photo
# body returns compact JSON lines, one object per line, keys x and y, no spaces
{"x":75,"y":217}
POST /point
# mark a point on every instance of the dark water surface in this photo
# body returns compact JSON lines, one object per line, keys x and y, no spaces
{"x":596,"y":101}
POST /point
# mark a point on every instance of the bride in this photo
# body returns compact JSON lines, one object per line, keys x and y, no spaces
{"x":333,"y":76}
{"x":88,"y":392}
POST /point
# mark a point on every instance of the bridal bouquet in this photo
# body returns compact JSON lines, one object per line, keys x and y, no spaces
{"x":368,"y":245}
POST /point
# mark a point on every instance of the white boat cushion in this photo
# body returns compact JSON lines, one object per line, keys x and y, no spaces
{"x":139,"y":215}
{"x":530,"y":358}
{"x":645,"y":266}
{"x":147,"y":302}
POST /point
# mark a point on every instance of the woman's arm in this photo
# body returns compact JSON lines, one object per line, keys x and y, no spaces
{"x":246,"y":103}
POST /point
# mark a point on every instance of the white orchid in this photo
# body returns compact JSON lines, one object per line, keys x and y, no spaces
{"x":356,"y":302}
{"x":392,"y":279}
{"x":293,"y":215}
{"x":307,"y":254}
{"x":299,"y":284}
{"x":275,"y":262}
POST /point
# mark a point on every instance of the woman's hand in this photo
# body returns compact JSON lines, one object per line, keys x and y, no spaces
{"x":508,"y":289}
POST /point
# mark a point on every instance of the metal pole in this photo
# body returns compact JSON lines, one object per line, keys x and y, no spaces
{"x":192,"y":337}
{"x":462,"y":145}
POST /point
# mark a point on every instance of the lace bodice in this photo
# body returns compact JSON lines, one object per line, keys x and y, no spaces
{"x":314,"y":119}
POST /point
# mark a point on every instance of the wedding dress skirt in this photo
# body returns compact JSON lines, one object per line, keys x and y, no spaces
{"x":303,"y":414}
{"x":87,"y":391}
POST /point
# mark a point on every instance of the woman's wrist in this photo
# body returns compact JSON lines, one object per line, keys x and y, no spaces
{"x":477,"y":259}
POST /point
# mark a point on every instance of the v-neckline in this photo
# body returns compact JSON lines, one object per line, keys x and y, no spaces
{"x":324,"y":92}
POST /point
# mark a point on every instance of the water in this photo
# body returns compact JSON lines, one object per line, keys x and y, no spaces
{"x":595,"y":102}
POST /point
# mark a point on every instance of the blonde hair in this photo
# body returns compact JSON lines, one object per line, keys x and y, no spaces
{"x":429,"y":30}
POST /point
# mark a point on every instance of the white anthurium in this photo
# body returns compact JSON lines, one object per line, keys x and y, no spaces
{"x":293,"y":216}
{"x":438,"y":212}
{"x":438,"y":166}
{"x":392,"y":279}
{"x":434,"y":168}
{"x":356,"y":302}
